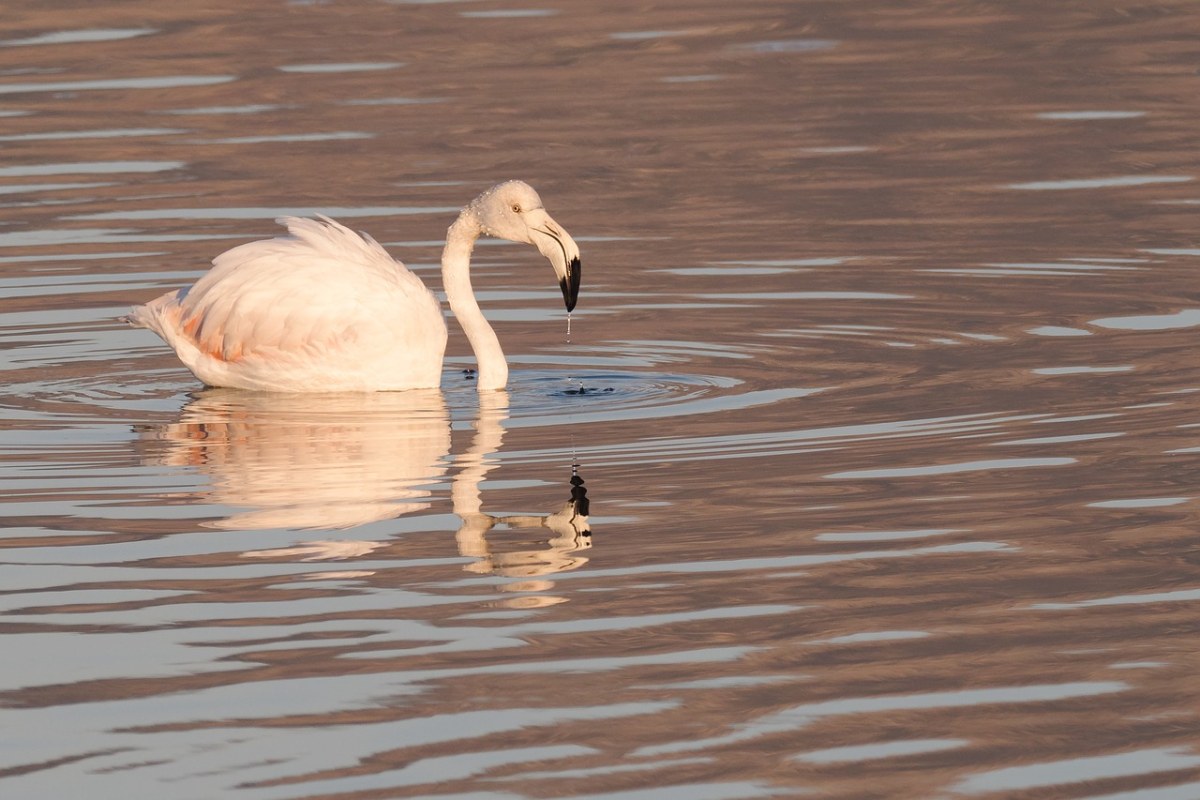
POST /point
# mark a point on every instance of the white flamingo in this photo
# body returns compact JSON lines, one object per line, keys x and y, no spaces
{"x":328,"y":310}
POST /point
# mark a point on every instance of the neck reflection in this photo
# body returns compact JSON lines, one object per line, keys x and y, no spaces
{"x":568,"y":529}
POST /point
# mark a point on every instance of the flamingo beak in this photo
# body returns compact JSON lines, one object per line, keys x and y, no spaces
{"x":570,"y":284}
{"x":558,"y":246}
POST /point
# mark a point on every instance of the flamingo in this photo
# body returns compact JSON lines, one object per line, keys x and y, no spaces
{"x":326,"y":309}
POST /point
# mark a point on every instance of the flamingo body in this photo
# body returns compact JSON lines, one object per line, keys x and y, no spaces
{"x":326,"y":309}
{"x":322,"y":310}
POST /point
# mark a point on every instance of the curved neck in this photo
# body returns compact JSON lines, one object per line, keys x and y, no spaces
{"x":456,"y":279}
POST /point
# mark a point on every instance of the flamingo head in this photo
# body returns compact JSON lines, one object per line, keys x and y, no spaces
{"x":513,"y":211}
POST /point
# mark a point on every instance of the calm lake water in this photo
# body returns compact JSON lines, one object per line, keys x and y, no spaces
{"x":870,"y":469}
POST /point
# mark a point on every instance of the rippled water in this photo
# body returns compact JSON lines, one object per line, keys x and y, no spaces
{"x":869,"y":468}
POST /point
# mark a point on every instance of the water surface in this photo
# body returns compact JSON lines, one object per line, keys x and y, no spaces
{"x":869,"y":469}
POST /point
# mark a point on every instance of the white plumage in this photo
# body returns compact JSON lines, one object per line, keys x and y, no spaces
{"x":326,"y":309}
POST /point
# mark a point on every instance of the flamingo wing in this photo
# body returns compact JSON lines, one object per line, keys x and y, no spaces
{"x":321,"y":289}
{"x":323,"y":308}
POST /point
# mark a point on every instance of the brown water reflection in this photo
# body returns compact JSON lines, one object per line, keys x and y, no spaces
{"x":894,"y":492}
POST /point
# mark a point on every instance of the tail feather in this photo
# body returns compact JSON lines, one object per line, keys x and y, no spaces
{"x":150,"y":315}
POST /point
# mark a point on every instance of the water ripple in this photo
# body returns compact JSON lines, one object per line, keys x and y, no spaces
{"x":1079,"y":770}
{"x":105,"y":84}
{"x":951,"y":469}
{"x":348,"y":66}
{"x":1187,"y":318}
{"x":803,"y":715}
{"x":1100,"y":183}
{"x":81,"y":36}
{"x":880,"y":750}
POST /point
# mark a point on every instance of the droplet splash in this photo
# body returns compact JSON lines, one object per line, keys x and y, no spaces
{"x":570,"y":380}
{"x":584,"y":390}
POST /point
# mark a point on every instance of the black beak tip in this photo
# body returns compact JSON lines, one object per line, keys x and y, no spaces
{"x":570,"y":284}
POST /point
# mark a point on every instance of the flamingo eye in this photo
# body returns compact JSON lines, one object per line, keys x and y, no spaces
{"x":516,"y":207}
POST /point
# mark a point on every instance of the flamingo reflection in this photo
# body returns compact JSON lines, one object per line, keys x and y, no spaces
{"x":309,"y":462}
